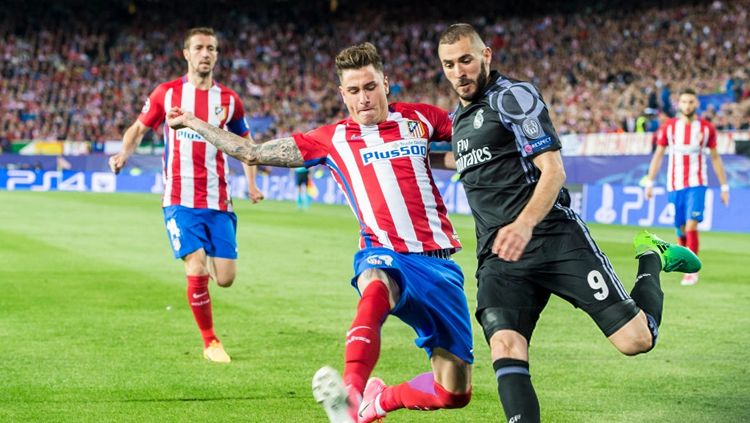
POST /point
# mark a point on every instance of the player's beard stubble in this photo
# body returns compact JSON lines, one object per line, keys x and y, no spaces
{"x":480,"y":83}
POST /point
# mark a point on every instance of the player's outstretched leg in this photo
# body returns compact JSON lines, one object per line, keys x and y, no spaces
{"x":370,"y":410}
{"x":674,"y":258}
{"x":655,"y":255}
{"x":420,"y":393}
{"x":363,"y":339}
{"x":329,"y":391}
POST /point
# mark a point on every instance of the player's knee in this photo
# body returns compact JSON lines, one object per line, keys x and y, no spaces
{"x":194,"y":268}
{"x":642,"y":345}
{"x":508,"y":344}
{"x":225,"y":281}
{"x":369,"y":276}
{"x":507,"y":331}
{"x":636,"y":342}
{"x":635,"y":349}
{"x":452,"y":400}
{"x":373,"y":274}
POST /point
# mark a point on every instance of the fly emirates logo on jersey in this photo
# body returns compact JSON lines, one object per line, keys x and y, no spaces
{"x":394,"y":150}
{"x":470,"y":157}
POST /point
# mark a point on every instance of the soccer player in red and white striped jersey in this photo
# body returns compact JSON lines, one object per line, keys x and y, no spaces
{"x":396,"y":201}
{"x":195,"y":172}
{"x":197,"y":205}
{"x":379,"y":157}
{"x":688,"y":137}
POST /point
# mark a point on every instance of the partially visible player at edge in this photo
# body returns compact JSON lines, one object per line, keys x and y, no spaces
{"x":687,"y":137}
{"x":530,"y":243}
{"x":378,"y":157}
{"x":197,"y":205}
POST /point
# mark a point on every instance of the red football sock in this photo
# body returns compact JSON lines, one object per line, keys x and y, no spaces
{"x":200,"y":304}
{"x":692,"y":241}
{"x":682,"y":240}
{"x":421,"y":393}
{"x":363,"y":338}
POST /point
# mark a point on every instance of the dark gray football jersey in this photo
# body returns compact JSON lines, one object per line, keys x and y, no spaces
{"x":494,"y":141}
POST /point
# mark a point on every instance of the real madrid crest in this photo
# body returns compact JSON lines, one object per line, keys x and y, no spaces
{"x":479,"y":119}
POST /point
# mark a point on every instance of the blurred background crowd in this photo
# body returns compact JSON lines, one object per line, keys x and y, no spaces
{"x":82,"y":70}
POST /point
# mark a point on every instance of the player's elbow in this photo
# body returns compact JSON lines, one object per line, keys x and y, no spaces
{"x":556,"y":176}
{"x":138,"y":129}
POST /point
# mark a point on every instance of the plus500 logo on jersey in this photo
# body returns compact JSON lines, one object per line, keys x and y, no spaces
{"x":394,"y":150}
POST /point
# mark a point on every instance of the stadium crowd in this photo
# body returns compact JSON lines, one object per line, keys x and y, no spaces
{"x":83,"y":75}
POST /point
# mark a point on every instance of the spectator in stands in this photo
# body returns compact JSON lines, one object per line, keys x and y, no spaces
{"x":4,"y":144}
{"x":76,"y":79}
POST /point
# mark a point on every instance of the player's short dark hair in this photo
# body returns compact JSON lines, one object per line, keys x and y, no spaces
{"x":689,"y":91}
{"x":454,"y":33}
{"x":358,"y":56}
{"x":203,"y":30}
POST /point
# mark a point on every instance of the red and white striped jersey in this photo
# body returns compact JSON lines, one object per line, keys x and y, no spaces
{"x":383,"y":170}
{"x":194,"y":171}
{"x":687,"y":142}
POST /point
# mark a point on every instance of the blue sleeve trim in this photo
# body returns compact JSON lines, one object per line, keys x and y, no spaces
{"x":239,"y":127}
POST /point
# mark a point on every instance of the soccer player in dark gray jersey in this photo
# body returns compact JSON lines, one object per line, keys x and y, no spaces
{"x":530,"y":244}
{"x":495,"y":141}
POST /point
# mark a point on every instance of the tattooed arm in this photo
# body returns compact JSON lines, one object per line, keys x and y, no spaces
{"x":281,"y":152}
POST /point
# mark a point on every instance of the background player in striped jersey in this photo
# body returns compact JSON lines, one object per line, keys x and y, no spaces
{"x":687,"y":137}
{"x":378,"y":157}
{"x":530,"y":243}
{"x":201,"y":225}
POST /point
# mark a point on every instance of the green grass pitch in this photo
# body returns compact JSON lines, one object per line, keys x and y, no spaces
{"x":95,"y":326}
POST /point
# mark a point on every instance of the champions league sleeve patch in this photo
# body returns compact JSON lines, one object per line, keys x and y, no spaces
{"x":536,"y":146}
{"x":146,"y":106}
{"x":532,"y":128}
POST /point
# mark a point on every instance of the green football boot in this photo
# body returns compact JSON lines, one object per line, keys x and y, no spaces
{"x":674,"y":258}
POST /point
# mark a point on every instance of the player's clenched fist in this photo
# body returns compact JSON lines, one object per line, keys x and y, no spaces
{"x":117,"y":162}
{"x":511,"y":241}
{"x":176,"y":117}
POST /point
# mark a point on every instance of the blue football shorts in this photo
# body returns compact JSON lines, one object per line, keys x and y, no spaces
{"x":190,"y":229}
{"x":689,"y":204}
{"x":432,"y":298}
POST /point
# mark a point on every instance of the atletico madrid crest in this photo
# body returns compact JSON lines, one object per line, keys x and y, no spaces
{"x":220,"y":112}
{"x":416,"y":129}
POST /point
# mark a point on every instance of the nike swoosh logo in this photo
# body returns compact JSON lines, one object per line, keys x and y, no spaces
{"x":362,"y":410}
{"x":196,"y":296}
